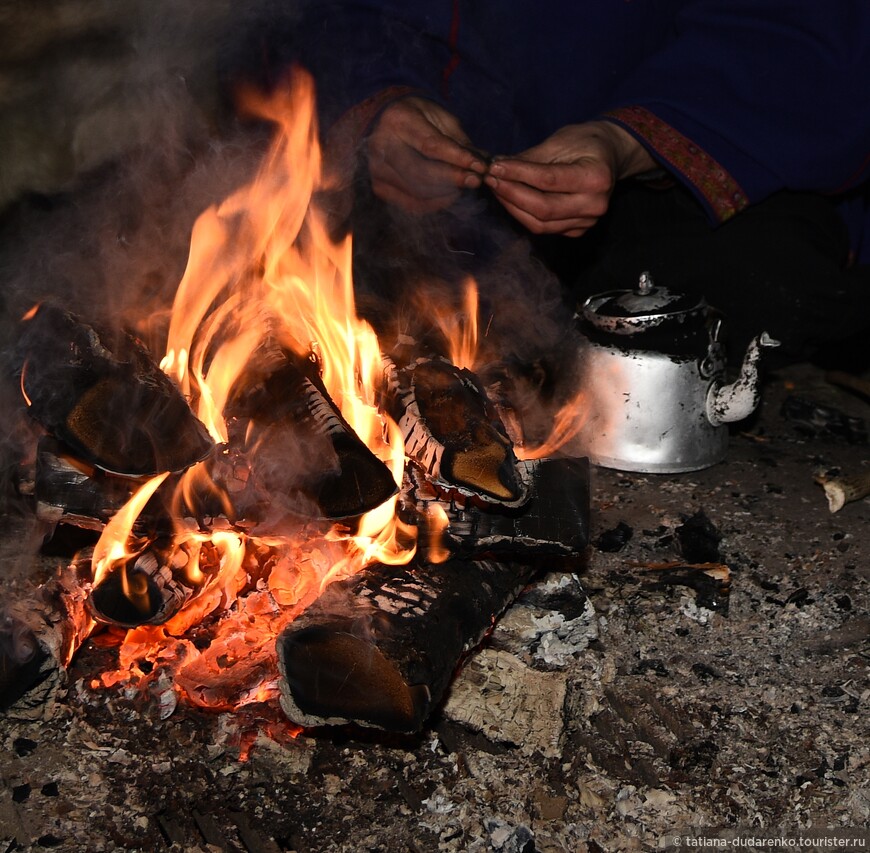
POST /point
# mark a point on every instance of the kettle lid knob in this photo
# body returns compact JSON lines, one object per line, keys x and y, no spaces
{"x":646,"y":284}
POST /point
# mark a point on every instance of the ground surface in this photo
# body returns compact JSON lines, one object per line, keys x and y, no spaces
{"x":687,"y":711}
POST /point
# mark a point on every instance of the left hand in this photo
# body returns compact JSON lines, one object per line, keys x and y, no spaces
{"x":563,"y":185}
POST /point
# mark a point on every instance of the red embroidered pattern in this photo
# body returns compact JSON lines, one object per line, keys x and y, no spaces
{"x":721,"y":191}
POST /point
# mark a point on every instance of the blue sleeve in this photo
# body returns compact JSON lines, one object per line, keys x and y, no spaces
{"x":775,"y":93}
{"x":357,"y":48}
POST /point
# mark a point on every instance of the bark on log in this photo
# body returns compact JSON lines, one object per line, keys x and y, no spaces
{"x":452,"y":431}
{"x":380,"y":648}
{"x":554,"y":521}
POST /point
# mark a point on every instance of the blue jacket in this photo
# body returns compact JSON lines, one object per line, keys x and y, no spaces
{"x":736,"y":98}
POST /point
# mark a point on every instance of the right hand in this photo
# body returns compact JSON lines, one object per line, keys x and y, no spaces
{"x":420,"y":158}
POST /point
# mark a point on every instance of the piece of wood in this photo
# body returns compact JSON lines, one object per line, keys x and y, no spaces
{"x":452,"y":431}
{"x":553,"y":522}
{"x":379,"y":648}
{"x":101,"y":393}
{"x":298,"y":445}
{"x":841,"y":489}
{"x":39,"y":634}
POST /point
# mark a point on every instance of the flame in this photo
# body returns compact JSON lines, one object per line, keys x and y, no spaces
{"x":114,"y":546}
{"x":28,"y":402}
{"x":31,"y":312}
{"x":460,"y":329}
{"x":567,"y":422}
{"x":265,"y":257}
{"x":262,"y":267}
{"x":438,"y":522}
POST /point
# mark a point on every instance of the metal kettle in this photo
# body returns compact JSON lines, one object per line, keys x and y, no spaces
{"x":652,"y":368}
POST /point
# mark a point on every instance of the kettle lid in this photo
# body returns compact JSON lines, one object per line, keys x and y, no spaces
{"x":628,"y":311}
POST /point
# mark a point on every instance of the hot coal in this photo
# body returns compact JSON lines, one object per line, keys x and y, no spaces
{"x":452,"y":431}
{"x":380,"y":648}
{"x":101,"y":393}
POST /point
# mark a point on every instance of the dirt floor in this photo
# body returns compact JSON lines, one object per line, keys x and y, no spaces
{"x":685,"y":705}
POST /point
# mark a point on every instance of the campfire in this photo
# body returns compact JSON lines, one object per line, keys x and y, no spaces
{"x":286,"y":508}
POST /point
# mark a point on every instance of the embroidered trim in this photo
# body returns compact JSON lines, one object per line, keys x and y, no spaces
{"x":722,"y":193}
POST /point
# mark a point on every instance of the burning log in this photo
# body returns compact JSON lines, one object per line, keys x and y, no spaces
{"x":554,"y":521}
{"x":379,"y":648}
{"x":103,"y":396}
{"x":68,"y":491}
{"x":288,"y":410}
{"x":152,"y":588}
{"x":452,"y":432}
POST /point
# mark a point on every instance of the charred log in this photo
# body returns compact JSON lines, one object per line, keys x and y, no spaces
{"x":298,"y":443}
{"x":68,"y":491}
{"x":39,"y":635}
{"x":554,"y":521}
{"x":380,"y":648}
{"x":452,"y":431}
{"x":153,"y":587}
{"x":102,"y":394}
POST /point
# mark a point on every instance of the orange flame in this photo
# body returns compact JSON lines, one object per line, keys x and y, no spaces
{"x":263,"y":267}
{"x":28,"y":402}
{"x":114,"y":546}
{"x":460,"y":330}
{"x":438,"y":522}
{"x":566,"y":424}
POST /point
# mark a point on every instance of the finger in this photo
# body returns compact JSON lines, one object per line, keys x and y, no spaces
{"x":424,"y":177}
{"x":440,"y":148}
{"x":590,"y":176}
{"x":548,"y":206}
{"x":573,"y":227}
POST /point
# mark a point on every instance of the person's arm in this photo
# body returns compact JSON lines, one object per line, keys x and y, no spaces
{"x":749,"y":98}
{"x":752,"y":98}
{"x":379,"y":68}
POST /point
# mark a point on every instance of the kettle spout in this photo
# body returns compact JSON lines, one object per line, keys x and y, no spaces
{"x":728,"y":403}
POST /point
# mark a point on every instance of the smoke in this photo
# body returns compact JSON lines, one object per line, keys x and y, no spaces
{"x":408,"y":266}
{"x":117,"y":130}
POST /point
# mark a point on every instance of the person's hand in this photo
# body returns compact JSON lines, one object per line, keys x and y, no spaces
{"x":420,"y":158}
{"x":563,"y":185}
